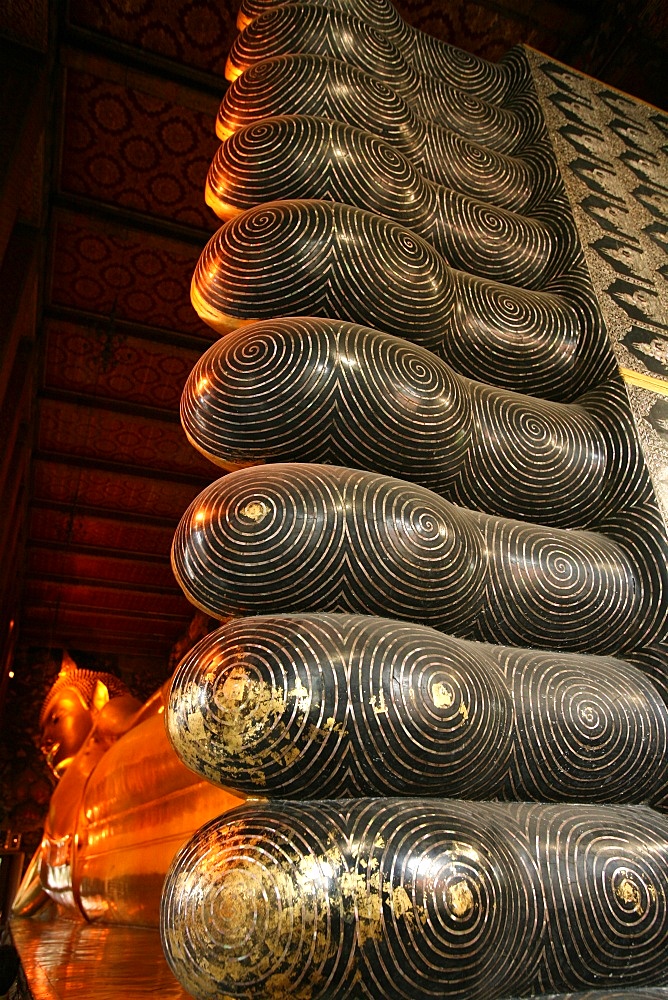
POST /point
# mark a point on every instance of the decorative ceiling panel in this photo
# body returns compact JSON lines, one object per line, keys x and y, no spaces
{"x":94,"y":360}
{"x":99,"y":628}
{"x":191,"y":32}
{"x":112,"y":270}
{"x":85,"y":596}
{"x":75,"y":529}
{"x":26,"y":21}
{"x":86,"y":431}
{"x":84,"y":566}
{"x":113,"y":491}
{"x":487,"y":32}
{"x":132,"y":149}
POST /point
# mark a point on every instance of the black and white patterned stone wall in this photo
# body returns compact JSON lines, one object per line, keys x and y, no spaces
{"x":613,"y":155}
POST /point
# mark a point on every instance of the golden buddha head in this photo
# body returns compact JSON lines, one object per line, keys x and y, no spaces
{"x":69,"y":711}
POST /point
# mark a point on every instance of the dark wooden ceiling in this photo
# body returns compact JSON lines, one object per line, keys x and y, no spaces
{"x":108,"y":112}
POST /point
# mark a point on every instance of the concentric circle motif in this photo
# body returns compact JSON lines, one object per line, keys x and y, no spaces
{"x":608,"y":875}
{"x":405,"y":295}
{"x":303,"y":389}
{"x":299,"y":537}
{"x":305,"y":28}
{"x":322,"y":706}
{"x":657,"y":993}
{"x":315,"y":258}
{"x":477,"y":77}
{"x":418,"y":898}
{"x":519,"y":179}
{"x":302,"y":157}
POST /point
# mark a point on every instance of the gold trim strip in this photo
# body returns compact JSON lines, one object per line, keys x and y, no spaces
{"x":650,"y":382}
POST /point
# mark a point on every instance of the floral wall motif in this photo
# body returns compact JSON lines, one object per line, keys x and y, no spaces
{"x":128,"y":147}
{"x":110,"y":270}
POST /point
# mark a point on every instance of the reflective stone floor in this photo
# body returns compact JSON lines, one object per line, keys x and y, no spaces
{"x":64,"y":960}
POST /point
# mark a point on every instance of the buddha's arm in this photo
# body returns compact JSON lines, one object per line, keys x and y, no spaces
{"x":31,"y":896}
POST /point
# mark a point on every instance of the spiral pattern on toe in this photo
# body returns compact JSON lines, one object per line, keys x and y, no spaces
{"x":535,"y":460}
{"x":337,"y":705}
{"x":632,"y":994}
{"x":489,"y":81}
{"x":373,"y":175}
{"x":283,"y":538}
{"x":608,"y":875}
{"x":484,"y":123}
{"x":536,"y":326}
{"x":419,"y":898}
{"x":311,"y":85}
{"x":315,"y":258}
{"x":315,"y":537}
{"x":473,"y":170}
{"x":246,"y":906}
{"x":580,"y":721}
{"x":380,"y":14}
{"x":294,"y":29}
{"x":301,"y":157}
{"x":312,"y":706}
{"x":303,"y":389}
{"x":327,"y":88}
{"x":586,"y":595}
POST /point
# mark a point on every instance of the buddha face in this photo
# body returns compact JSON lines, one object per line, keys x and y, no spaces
{"x":67,"y":723}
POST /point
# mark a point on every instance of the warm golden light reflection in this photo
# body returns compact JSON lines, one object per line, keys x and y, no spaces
{"x":224,"y":130}
{"x":242,"y":21}
{"x":80,"y":961}
{"x":123,"y":806}
{"x":232,"y":71}
{"x":215,"y":201}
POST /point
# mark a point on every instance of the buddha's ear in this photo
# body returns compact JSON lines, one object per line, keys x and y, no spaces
{"x":100,"y":696}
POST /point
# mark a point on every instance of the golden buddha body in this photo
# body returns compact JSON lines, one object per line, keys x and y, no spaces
{"x":122,"y":807}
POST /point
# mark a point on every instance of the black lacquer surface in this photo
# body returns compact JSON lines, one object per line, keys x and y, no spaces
{"x":325,"y":706}
{"x":373,"y":175}
{"x":302,"y":157}
{"x":497,"y":83}
{"x":299,"y":537}
{"x":634,"y":994}
{"x":316,"y":258}
{"x":410,"y":898}
{"x":305,"y":84}
{"x":309,"y":390}
{"x":303,"y":28}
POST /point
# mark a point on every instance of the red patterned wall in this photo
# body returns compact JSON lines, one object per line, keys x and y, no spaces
{"x":110,"y":269}
{"x":100,"y":568}
{"x":79,"y":529}
{"x":130,"y":440}
{"x":191,"y":32}
{"x":132,"y":149}
{"x":93,"y":360}
{"x":112,"y":491}
{"x":44,"y":593}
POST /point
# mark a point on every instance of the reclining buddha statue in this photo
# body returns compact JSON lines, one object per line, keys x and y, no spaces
{"x":123,"y":804}
{"x":442,"y":680}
